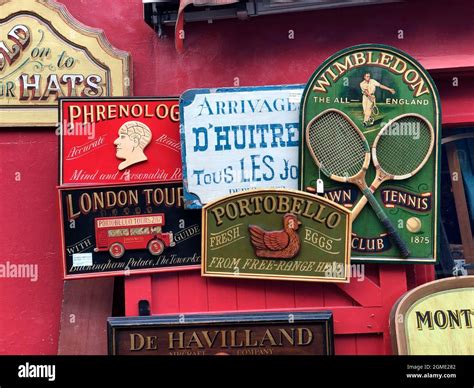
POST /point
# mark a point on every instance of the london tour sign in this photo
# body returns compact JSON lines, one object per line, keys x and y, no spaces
{"x":125,"y":229}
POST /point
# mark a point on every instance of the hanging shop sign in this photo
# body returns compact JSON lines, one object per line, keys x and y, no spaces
{"x":436,"y":318}
{"x":119,"y":140}
{"x":121,"y":230}
{"x":46,"y":54}
{"x":370,"y":133}
{"x":237,"y":139}
{"x":262,"y":334}
{"x":276,"y":234}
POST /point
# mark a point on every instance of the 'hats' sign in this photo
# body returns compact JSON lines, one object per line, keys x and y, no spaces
{"x":46,"y":54}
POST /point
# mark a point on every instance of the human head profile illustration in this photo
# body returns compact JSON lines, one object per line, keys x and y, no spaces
{"x":133,"y":137}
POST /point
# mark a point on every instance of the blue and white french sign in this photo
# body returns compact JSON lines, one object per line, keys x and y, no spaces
{"x":236,"y":139}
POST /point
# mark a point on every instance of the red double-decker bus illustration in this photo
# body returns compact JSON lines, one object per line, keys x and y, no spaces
{"x":118,"y":234}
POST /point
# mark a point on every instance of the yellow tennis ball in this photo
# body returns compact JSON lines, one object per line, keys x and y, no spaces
{"x":414,"y":224}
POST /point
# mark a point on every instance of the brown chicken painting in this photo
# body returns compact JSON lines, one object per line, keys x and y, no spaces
{"x":278,"y":244}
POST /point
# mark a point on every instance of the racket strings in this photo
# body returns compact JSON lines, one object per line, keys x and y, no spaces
{"x":351,"y":164}
{"x":329,"y":136}
{"x":403,"y":146}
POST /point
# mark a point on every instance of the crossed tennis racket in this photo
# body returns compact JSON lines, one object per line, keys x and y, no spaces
{"x":342,"y":153}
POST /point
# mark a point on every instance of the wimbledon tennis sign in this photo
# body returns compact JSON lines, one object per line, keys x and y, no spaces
{"x":238,"y":139}
{"x":369,"y":135}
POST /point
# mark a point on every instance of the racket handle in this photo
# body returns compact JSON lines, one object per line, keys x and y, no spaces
{"x":359,"y":206}
{"x":392,"y":232}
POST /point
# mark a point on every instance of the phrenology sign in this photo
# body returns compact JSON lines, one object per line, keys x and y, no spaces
{"x":238,"y":139}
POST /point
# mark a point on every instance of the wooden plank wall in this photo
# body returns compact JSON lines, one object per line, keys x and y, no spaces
{"x":361,"y":309}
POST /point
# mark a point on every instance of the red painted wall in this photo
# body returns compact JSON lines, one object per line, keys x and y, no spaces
{"x":256,"y":52}
{"x":29,"y":311}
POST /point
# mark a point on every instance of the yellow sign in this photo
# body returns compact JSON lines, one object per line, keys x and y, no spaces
{"x":436,"y":319}
{"x":46,"y":54}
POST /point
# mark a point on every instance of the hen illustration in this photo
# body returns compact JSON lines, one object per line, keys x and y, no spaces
{"x":279,"y":244}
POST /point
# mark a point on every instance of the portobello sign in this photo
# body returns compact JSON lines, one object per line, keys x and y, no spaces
{"x":276,"y":234}
{"x":46,"y":54}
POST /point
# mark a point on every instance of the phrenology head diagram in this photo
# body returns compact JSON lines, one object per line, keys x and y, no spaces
{"x":133,"y":138}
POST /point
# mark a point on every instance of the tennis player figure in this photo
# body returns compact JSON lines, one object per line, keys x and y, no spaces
{"x":132,"y":139}
{"x":368,"y":86}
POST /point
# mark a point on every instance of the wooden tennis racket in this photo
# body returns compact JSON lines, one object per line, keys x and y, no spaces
{"x":342,"y":153}
{"x":396,"y":156}
{"x":375,"y":108}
